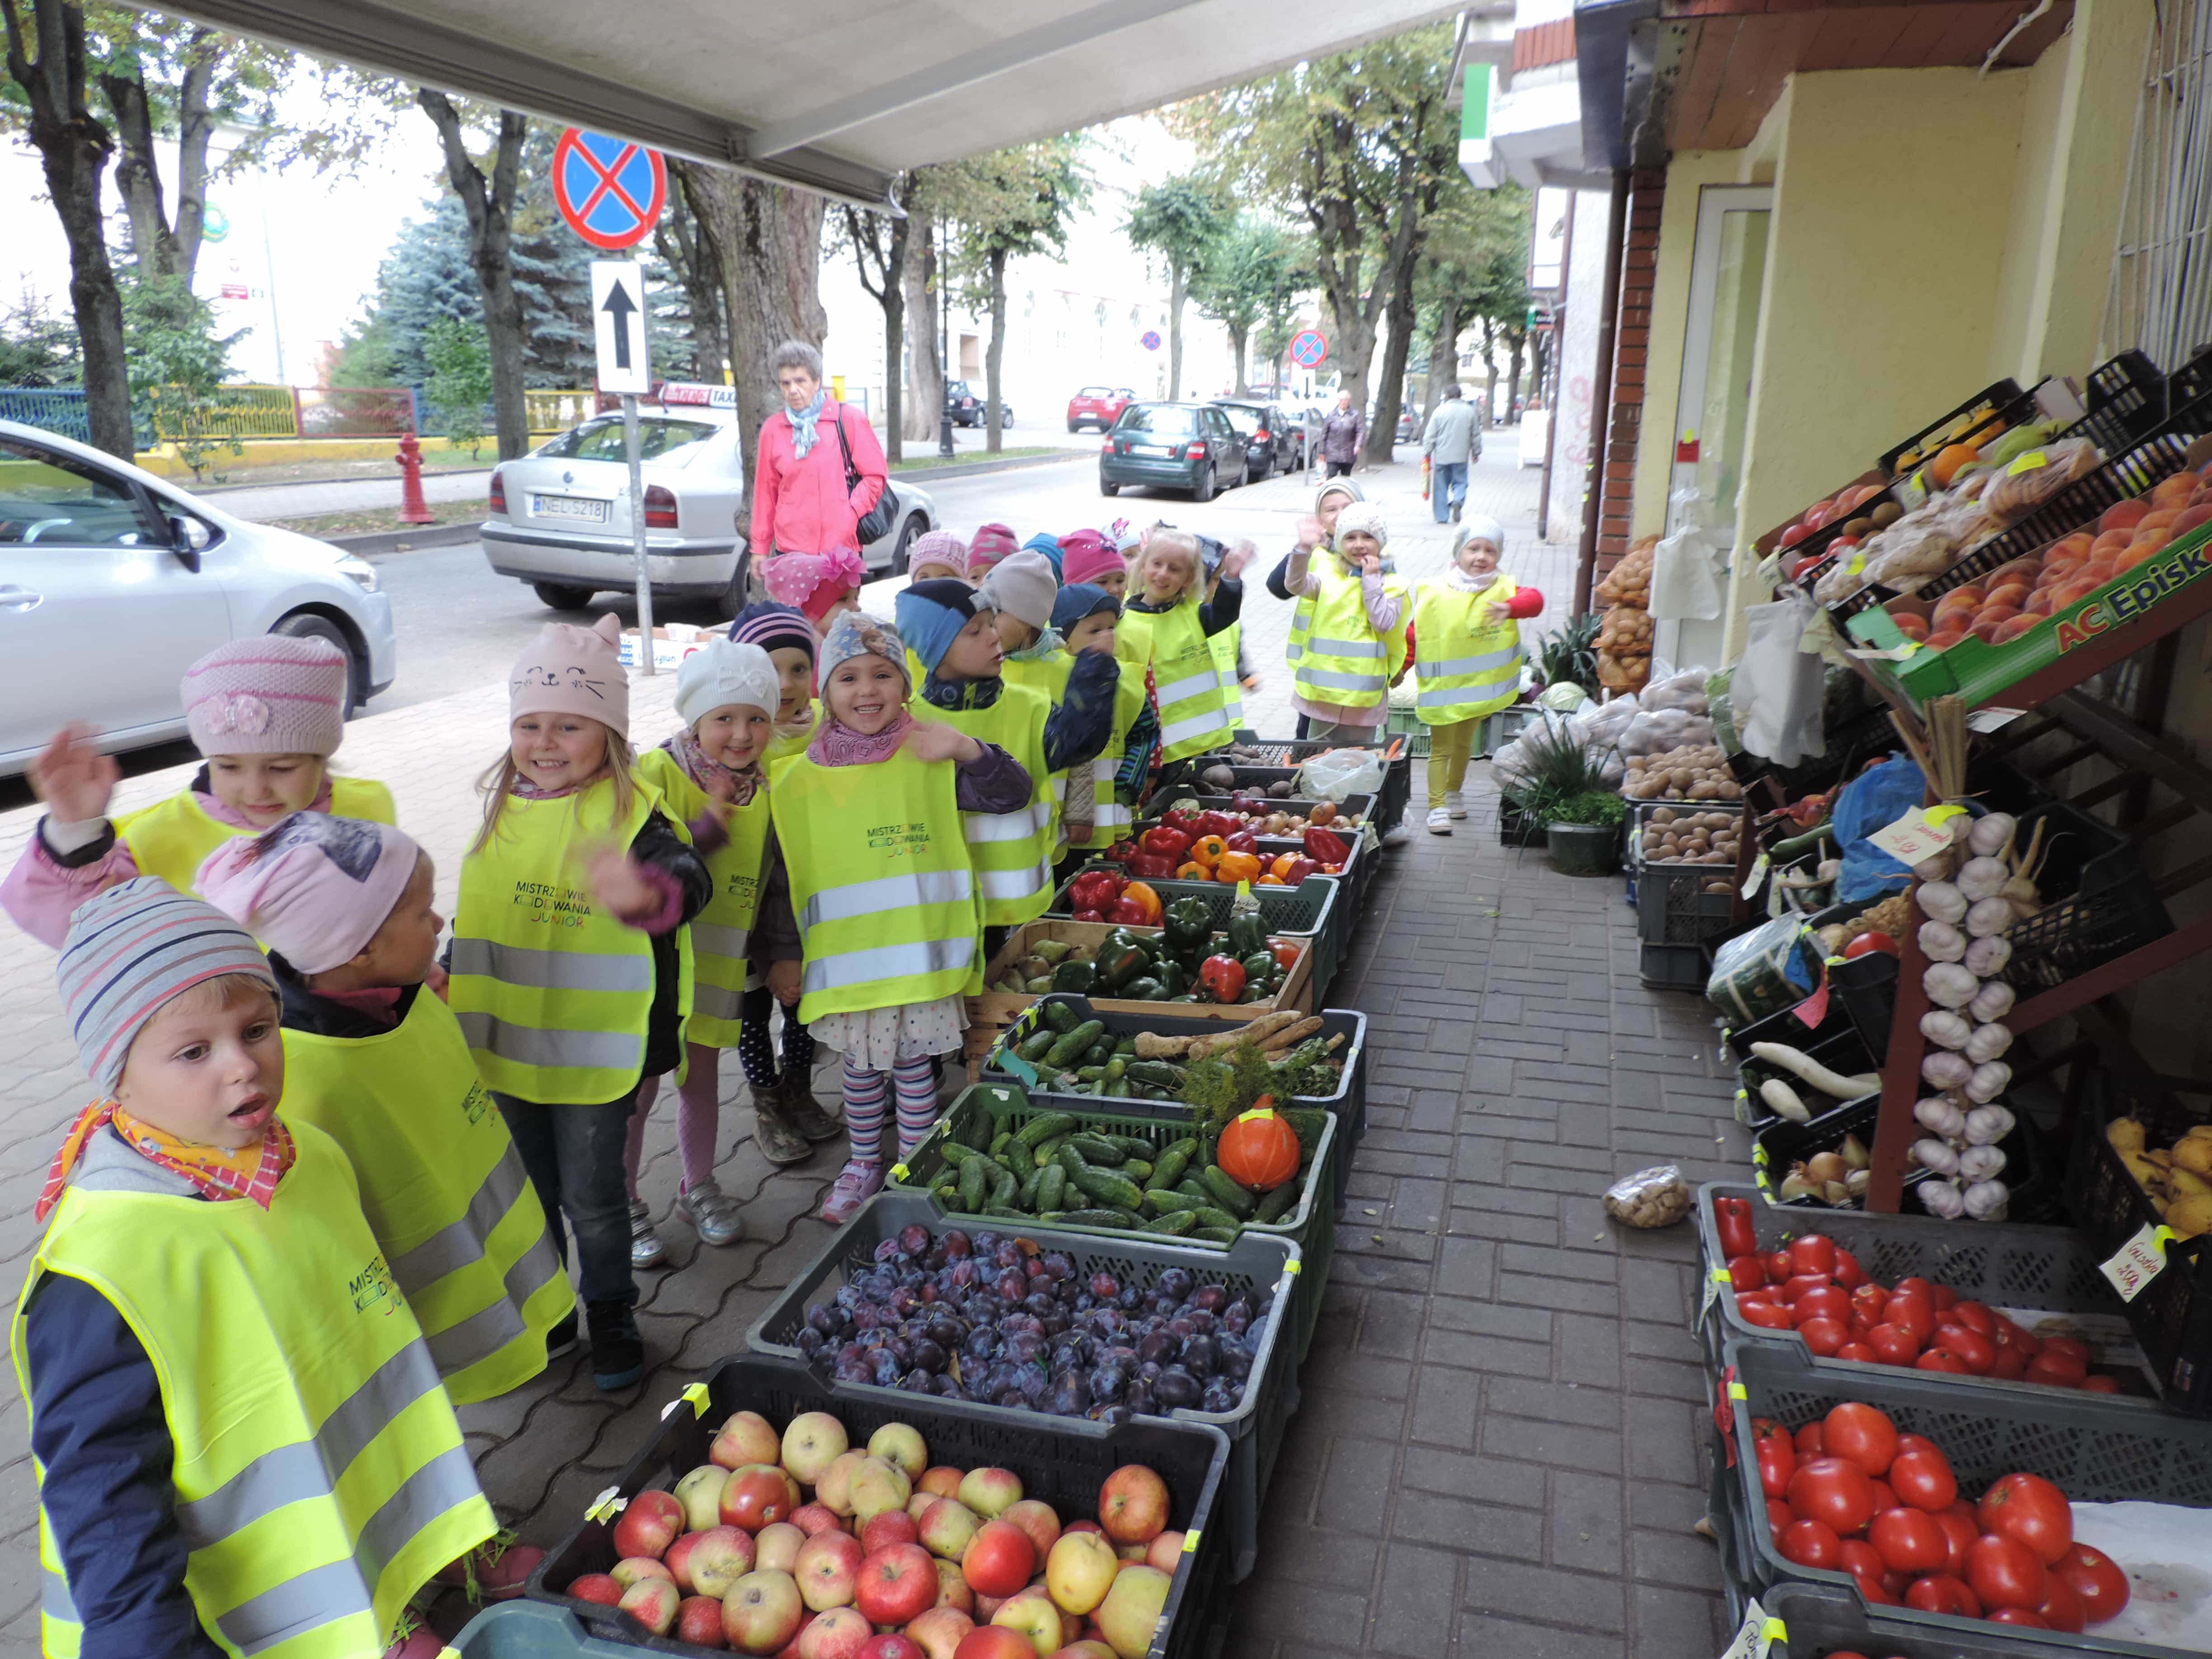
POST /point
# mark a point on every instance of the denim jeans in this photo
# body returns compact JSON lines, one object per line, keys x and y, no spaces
{"x":575,"y":1157}
{"x":1447,"y":477}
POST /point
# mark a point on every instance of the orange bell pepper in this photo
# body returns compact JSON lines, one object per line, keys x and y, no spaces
{"x":1270,"y":881}
{"x":1281,"y":868}
{"x":1146,"y":896}
{"x":1233,"y":868}
{"x":1206,"y":852}
{"x":1194,"y":872}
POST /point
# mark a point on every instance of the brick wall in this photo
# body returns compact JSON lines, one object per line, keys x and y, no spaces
{"x":1639,"y":267}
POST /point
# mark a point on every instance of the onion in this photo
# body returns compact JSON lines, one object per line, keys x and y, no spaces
{"x":1985,"y":1200}
{"x":1942,"y":899}
{"x":1936,"y":1155}
{"x":1990,"y":834}
{"x":1942,"y":1198}
{"x":1949,"y":986}
{"x":1986,"y":1126}
{"x":1946,"y":1070}
{"x":1987,"y":1081}
{"x":1993,"y":1001}
{"x":1939,"y":1114}
{"x":1941,"y":942}
{"x":1946,"y":1028}
{"x":1825,"y":1167}
{"x":1991,"y":915}
{"x":1988,"y":1042}
{"x":1981,"y":878}
{"x":1987,"y":956}
{"x":1980,"y":1163}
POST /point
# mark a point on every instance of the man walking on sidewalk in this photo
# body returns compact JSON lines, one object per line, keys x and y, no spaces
{"x":1452,"y":439}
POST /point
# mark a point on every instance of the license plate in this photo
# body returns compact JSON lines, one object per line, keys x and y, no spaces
{"x":569,"y":507}
{"x":1151,"y":449}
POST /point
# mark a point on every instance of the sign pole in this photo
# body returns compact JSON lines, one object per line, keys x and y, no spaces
{"x":637,"y":533}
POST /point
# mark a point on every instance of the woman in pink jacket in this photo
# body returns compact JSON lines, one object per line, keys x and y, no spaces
{"x":800,"y":501}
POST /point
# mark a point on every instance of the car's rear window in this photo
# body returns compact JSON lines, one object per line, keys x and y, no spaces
{"x":1242,"y":417}
{"x":602,"y":439}
{"x":1095,"y":391}
{"x":1168,"y":420}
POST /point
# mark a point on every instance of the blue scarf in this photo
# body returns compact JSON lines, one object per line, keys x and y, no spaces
{"x":804,"y":430}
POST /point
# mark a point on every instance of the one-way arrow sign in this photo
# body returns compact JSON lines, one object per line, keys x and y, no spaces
{"x":618,"y":322}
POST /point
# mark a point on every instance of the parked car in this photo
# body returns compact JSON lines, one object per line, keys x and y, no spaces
{"x":1098,"y":405}
{"x":1266,"y":431}
{"x":113,"y":581}
{"x":1172,"y":447}
{"x":968,"y":405}
{"x":560,"y":516}
{"x":1409,"y":424}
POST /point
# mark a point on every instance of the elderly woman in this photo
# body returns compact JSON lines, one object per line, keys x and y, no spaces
{"x":801,"y":502}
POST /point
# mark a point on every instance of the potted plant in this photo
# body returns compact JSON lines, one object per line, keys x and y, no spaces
{"x":1583,"y":833}
{"x":1554,"y":767}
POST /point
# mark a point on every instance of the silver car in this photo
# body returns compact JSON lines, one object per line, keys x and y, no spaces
{"x":560,"y":516}
{"x":112,"y":582}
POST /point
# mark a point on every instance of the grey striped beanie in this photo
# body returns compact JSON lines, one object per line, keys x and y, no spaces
{"x":129,"y":951}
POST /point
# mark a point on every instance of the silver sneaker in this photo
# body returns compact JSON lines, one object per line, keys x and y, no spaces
{"x":646,"y":1249}
{"x":712,"y":1211}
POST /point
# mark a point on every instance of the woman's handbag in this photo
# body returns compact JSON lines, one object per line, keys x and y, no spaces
{"x":876,"y":522}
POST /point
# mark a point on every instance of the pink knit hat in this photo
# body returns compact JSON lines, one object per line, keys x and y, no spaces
{"x":991,"y":543}
{"x":314,"y":889}
{"x":569,"y":670}
{"x":273,"y":695}
{"x":1086,"y":556}
{"x":813,"y":582}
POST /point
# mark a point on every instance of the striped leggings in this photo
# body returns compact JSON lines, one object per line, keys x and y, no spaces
{"x":915,"y":1090}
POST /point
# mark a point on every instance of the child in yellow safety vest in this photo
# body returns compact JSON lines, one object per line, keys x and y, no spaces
{"x":1166,"y":630}
{"x":238,"y":1433}
{"x":1467,"y":657}
{"x":571,"y":963}
{"x":1355,"y":641}
{"x":266,"y":714}
{"x":870,"y":822}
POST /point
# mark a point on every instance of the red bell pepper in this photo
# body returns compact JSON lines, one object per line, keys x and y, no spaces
{"x":1221,"y":978}
{"x":1127,"y":913}
{"x":1152,"y":866}
{"x":1095,"y":890}
{"x":1243,"y":841}
{"x":1216,"y":823}
{"x":1175,"y":818}
{"x":1326,"y":847}
{"x":1165,"y":841}
{"x":1296,"y":870}
{"x":1090,"y":915}
{"x":1120,"y":851}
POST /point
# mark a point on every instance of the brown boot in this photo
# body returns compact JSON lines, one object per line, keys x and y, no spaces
{"x":804,"y":1112}
{"x":780,"y":1142}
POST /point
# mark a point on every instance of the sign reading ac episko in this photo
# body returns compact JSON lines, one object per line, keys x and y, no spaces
{"x":2122,"y":604}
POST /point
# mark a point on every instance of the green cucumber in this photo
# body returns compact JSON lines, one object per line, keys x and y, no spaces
{"x":1166,"y":1203}
{"x":1231,"y":1196}
{"x":1035,"y":1048}
{"x":1052,"y":1186}
{"x":1213,"y":1235}
{"x":1044,"y":1126}
{"x":1278,"y":1204}
{"x":1098,"y":1149}
{"x":1077,"y":1042}
{"x":1100,"y":1217}
{"x":1210,"y":1216}
{"x":1174,"y":1223}
{"x":1174,"y":1159}
{"x":970,"y":1184}
{"x":1107,"y":1187}
{"x":1060,"y":1017}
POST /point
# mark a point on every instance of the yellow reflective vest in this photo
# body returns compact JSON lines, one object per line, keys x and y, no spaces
{"x":320,"y":1476}
{"x":1465,"y":668}
{"x":173,"y":838}
{"x":722,"y":934}
{"x":1186,"y":678}
{"x":444,"y":1191}
{"x":1011,"y":852}
{"x":553,"y":993}
{"x":881,"y":885}
{"x":784,"y":744}
{"x":1113,"y":811}
{"x":1344,"y":661}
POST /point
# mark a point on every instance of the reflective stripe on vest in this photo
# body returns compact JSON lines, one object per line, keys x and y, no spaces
{"x":1301,"y":629}
{"x":320,"y":1476}
{"x":553,"y":993}
{"x":721,"y":933}
{"x":1346,"y":663}
{"x":1187,"y":684}
{"x":173,"y":838}
{"x":908,"y":929}
{"x":1011,"y":851}
{"x":1110,"y":814}
{"x":1224,"y":646}
{"x":444,"y":1191}
{"x":1467,"y":669}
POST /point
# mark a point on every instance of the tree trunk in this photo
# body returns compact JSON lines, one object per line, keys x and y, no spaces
{"x":159,"y":248}
{"x":73,"y":151}
{"x":768,"y":240}
{"x":691,"y":257}
{"x":1390,"y":385}
{"x":895,"y":347}
{"x":1519,"y":342}
{"x":1238,"y":339}
{"x":994,"y":353}
{"x":1490,"y":373}
{"x":925,"y":373}
{"x":489,"y":204}
{"x":1444,"y":353}
{"x":1178,"y":288}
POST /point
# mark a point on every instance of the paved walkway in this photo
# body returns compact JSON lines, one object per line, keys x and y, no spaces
{"x":1497,"y":1451}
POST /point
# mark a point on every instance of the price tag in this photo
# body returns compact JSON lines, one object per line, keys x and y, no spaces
{"x":1759,"y":867}
{"x":1814,"y":1008}
{"x":1992,"y":718}
{"x":1912,"y":839}
{"x":2027,"y":463}
{"x":1757,"y":1635}
{"x":2138,"y":1262}
{"x":1717,"y":1280}
{"x":1857,"y":563}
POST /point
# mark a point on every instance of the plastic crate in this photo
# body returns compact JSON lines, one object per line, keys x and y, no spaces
{"x":1673,"y":967}
{"x":1405,"y":723}
{"x":1841,"y":1051}
{"x":2035,"y":1196}
{"x":1515,"y":830}
{"x":533,"y":1629}
{"x":1504,"y":726}
{"x":1819,"y":1621}
{"x":1272,"y":1265}
{"x":2172,"y":1315}
{"x":1287,"y":753}
{"x":1062,"y":1461}
{"x":2001,"y":1264}
{"x":2127,"y":402}
{"x":2095,"y":1449}
{"x":1673,"y":908}
{"x":1999,"y":395}
{"x":1307,"y":911}
{"x":2114,"y":907}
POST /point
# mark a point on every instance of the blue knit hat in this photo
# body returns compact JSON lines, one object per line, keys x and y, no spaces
{"x":1078,"y":601}
{"x":1047,"y":545}
{"x":931,"y":615}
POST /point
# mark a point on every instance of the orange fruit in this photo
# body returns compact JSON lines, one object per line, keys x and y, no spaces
{"x":2073,"y":546}
{"x":2123,"y":516}
{"x":1950,"y":461}
{"x":2040,"y":605}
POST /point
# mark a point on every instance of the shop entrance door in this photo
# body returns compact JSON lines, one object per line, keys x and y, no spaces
{"x":1728,"y":264}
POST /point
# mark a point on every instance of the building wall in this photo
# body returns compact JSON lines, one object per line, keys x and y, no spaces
{"x":1571,"y":427}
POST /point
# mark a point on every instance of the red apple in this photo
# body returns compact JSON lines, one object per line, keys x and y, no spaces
{"x":834,"y":1491}
{"x":990,"y":1493}
{"x":892,"y":1527}
{"x":946,"y":1526}
{"x":942,"y":1481}
{"x":790,"y":1649}
{"x":650,"y":1522}
{"x":713,"y":1561}
{"x":812,"y":1443}
{"x":892,"y":1645}
{"x":953,"y":1590}
{"x":994,"y":1641}
{"x":834,"y":1633}
{"x":756,"y":1496}
{"x":938,"y":1630}
{"x":1132,"y":1505}
{"x":745,"y":1437}
{"x":597,"y":1587}
{"x":699,"y":1621}
{"x":829,"y":1563}
{"x":1084,"y":1526}
{"x":631,"y":1568}
{"x":895,"y":1586}
{"x":999,"y":1560}
{"x":1091,"y":1648}
{"x":811,"y":1518}
{"x":1039,"y":1521}
{"x":1033,"y":1615}
{"x":1164,"y":1552}
{"x":776,"y":1548}
{"x":761,"y":1612}
{"x":653,"y":1603}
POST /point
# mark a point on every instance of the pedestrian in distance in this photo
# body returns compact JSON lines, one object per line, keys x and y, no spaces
{"x":1343,"y":430}
{"x":1166,"y":630}
{"x":1466,"y":658}
{"x":802,"y":503}
{"x":239,"y":1434}
{"x":1353,"y":644}
{"x":889,"y":918}
{"x":1451,"y":441}
{"x":266,"y":715}
{"x":571,"y":963}
{"x":376,"y":1062}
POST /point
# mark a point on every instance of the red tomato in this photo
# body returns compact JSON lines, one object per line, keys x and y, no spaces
{"x":2029,"y":1510}
{"x":2066,"y":1347}
{"x":1906,"y":1442}
{"x":1871,"y":1299}
{"x":2011,"y":1363}
{"x":1807,"y":1440}
{"x":2062,"y":1607}
{"x":1975,"y":1317}
{"x":2060,"y":1371}
{"x":1936,"y":1360}
{"x":1946,"y":1297}
{"x":2020,"y":1616}
{"x":1942,"y":1592}
{"x":2004,"y":1572}
{"x":1764,"y":1293}
{"x":1862,"y":1354}
{"x":1894,"y":1344}
{"x":1814,"y":1254}
{"x":1732,"y":1217}
{"x":1911,"y":1285}
{"x":1848,"y":1273}
{"x":1802,"y":1284}
{"x":1959,"y":1534}
{"x":1868,"y":942}
{"x":1923,"y":1480}
{"x":1860,"y":1434}
{"x":1828,"y":1301}
{"x":1779,"y":1267}
{"x":1810,"y":1543}
{"x":2100,"y":1385}
{"x":1765,"y":1315}
{"x":1832,"y":1489}
{"x":1914,"y":1312}
{"x":1778,"y":1518}
{"x":1979,"y":1353}
{"x":2097,"y":1579}
{"x":1777,"y":1463}
{"x":1909,"y":1541}
{"x":1863,"y":1562}
{"x":1884,"y":1499}
{"x":1746,"y":1272}
{"x":1823,"y":1337}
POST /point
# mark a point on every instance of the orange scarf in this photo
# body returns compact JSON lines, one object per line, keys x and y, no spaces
{"x":216,"y":1172}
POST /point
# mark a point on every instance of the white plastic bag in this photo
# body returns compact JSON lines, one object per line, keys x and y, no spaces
{"x":1684,"y":690}
{"x":1657,"y":1197}
{"x":1778,"y":685}
{"x":1335,"y":773}
{"x":1607,"y":722}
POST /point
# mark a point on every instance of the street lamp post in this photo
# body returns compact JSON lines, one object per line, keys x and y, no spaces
{"x":944,"y":346}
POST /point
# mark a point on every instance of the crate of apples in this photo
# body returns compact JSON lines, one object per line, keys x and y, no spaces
{"x":812,"y":1543}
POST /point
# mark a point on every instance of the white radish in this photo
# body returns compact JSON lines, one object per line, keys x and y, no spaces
{"x":1803,"y":1066}
{"x":1782,"y":1100}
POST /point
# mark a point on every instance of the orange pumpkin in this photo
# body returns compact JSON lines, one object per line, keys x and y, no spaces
{"x":1258,"y":1150}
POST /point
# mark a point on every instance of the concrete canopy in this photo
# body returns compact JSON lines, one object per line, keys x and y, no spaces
{"x":829,"y":96}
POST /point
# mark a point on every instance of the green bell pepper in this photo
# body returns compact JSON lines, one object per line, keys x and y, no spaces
{"x":1076,"y":976}
{"x":1188,"y":924}
{"x":1247,"y":933}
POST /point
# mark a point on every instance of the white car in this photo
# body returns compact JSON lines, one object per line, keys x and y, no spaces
{"x":112,"y":582}
{"x":560,"y":516}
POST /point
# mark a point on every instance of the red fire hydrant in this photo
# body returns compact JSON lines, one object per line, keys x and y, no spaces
{"x":413,"y":509}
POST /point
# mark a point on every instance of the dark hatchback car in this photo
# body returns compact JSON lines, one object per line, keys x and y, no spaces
{"x":1171,"y":446}
{"x":1269,"y":443}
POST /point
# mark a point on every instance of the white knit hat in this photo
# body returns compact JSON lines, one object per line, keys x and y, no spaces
{"x":1364,"y":515}
{"x":723,"y":674}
